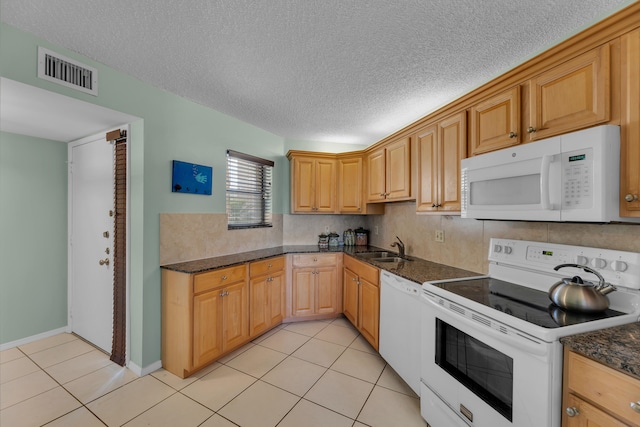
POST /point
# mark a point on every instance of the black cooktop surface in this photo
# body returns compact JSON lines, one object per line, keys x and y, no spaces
{"x":528,"y":304}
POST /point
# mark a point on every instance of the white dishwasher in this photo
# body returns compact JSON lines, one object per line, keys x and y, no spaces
{"x":400,"y":326}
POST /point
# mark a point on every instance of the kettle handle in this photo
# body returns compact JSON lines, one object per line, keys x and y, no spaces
{"x":601,"y":283}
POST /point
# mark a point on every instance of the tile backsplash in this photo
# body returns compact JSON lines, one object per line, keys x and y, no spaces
{"x":185,"y":237}
{"x":466,"y":243}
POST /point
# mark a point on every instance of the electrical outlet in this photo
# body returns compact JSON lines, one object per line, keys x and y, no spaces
{"x":326,"y":229}
{"x":375,"y":230}
{"x":440,"y":236}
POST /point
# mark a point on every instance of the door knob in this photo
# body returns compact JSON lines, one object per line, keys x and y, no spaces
{"x":104,"y":261}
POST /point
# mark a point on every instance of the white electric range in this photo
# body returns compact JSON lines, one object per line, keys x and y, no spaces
{"x":491,"y":354}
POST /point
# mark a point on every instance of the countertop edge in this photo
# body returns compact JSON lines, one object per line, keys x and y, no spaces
{"x":616,"y":347}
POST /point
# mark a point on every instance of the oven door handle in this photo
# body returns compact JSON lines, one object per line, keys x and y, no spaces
{"x":530,"y":345}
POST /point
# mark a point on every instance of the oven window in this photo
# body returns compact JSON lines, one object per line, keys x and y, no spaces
{"x":482,"y":369}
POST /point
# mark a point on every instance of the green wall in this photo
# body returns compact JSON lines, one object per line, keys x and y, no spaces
{"x":170,"y":128}
{"x":33,"y":226}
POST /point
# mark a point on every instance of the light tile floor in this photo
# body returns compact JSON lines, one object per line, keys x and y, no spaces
{"x":312,"y":374}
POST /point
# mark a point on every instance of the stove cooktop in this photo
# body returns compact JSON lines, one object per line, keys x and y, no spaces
{"x":527,"y":304}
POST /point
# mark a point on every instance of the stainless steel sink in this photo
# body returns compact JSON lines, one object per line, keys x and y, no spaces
{"x":389,"y":259}
{"x":370,"y":255}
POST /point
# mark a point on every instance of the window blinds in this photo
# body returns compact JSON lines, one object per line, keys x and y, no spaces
{"x":248,"y":191}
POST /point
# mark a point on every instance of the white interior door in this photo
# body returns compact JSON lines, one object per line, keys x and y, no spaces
{"x":91,"y":226}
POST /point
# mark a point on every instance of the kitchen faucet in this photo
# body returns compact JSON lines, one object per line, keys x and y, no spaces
{"x":400,"y":245}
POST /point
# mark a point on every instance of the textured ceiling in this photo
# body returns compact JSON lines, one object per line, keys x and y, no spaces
{"x":322,"y":70}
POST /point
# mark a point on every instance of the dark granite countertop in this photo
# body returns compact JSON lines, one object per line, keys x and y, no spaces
{"x":617,"y":347}
{"x":416,"y":270}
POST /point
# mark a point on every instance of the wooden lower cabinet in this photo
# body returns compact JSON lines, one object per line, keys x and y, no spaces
{"x":204,"y":316}
{"x":361,"y":296}
{"x":595,"y":395}
{"x":266,"y":295}
{"x":315,"y":285}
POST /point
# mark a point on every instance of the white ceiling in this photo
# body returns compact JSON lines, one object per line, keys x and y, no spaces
{"x":323,"y":70}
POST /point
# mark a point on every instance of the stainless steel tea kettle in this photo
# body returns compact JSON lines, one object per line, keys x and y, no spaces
{"x":575,"y":294}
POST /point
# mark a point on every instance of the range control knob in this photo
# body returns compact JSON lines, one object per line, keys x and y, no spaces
{"x":497,"y":248}
{"x":619,"y":266}
{"x":598,"y":263}
{"x":508,"y":250}
{"x":582,"y":260}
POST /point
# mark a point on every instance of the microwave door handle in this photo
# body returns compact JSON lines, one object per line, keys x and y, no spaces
{"x":544,"y":182}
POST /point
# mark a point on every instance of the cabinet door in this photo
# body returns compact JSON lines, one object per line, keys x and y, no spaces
{"x":452,"y":148}
{"x":630,"y":126}
{"x":302,"y":292}
{"x":398,"y":172}
{"x":587,"y":415}
{"x":207,"y":327}
{"x":303,"y":184}
{"x":350,"y":185}
{"x":325,"y":185}
{"x":326,"y":288}
{"x":571,"y":96}
{"x":350,"y":296}
{"x":369,"y":320}
{"x":495,"y":122}
{"x":376,"y":176}
{"x":235,"y":316}
{"x":277,"y":299}
{"x":427,"y":141}
{"x":258,"y":305}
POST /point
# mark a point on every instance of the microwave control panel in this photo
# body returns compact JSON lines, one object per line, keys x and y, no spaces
{"x":577,"y":179}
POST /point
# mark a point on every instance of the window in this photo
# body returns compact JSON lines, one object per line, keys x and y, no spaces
{"x":248,"y":191}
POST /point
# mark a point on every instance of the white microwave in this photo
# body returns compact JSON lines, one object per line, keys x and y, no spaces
{"x":572,"y":177}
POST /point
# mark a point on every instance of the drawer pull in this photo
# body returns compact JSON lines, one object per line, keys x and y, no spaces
{"x":635,"y":406}
{"x":572,"y":411}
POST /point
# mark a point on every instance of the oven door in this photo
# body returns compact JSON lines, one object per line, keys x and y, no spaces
{"x":487,"y":374}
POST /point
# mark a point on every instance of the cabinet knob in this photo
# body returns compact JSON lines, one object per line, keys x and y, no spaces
{"x":512,"y":134}
{"x":572,"y":411}
{"x":354,"y":279}
{"x":269,"y":266}
{"x":224,"y":293}
{"x":223,"y":278}
{"x":631,"y":197}
{"x":635,"y":406}
{"x":104,"y":261}
{"x":531,"y":129}
{"x":381,"y":194}
{"x":315,"y":260}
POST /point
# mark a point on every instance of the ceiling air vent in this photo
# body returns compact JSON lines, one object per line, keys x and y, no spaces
{"x":67,"y":72}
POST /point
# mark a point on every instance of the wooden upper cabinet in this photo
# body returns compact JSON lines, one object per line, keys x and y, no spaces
{"x":350,"y":185}
{"x":630,"y":126}
{"x":376,"y":170}
{"x":389,"y":172}
{"x":313,"y":185}
{"x":571,"y":96}
{"x":495,"y":122}
{"x":440,"y":148}
{"x":398,"y":169}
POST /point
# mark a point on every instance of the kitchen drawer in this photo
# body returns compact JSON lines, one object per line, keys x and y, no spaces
{"x":365,"y":271}
{"x":220,"y":277}
{"x":604,"y":387}
{"x":258,"y":268}
{"x":315,"y":260}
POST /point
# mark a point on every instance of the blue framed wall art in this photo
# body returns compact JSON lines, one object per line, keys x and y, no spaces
{"x":191,"y":178}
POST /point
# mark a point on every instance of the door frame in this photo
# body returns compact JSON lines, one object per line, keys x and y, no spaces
{"x":70,"y":146}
